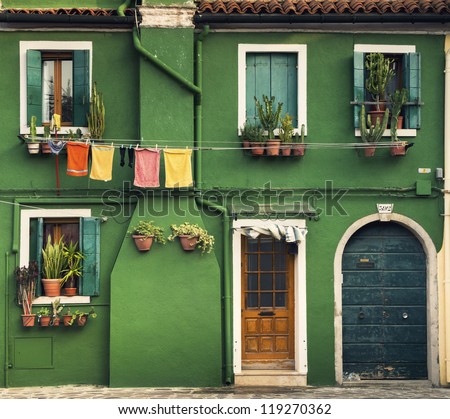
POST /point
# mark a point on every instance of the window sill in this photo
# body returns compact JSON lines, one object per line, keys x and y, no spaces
{"x":77,"y":299}
{"x":387,"y":133}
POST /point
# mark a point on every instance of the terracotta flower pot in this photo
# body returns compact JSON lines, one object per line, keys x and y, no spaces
{"x":69,"y":292}
{"x":298,"y":149}
{"x":45,"y":148}
{"x":246,"y":144}
{"x":28,"y":320}
{"x":257,"y":149}
{"x":67,"y":319}
{"x":56,"y":321}
{"x":81,"y":321}
{"x":273,"y":147}
{"x":188,"y":243}
{"x":44,"y":321}
{"x":374,"y":115}
{"x":286,"y":150}
{"x":369,"y":151}
{"x":398,"y":149}
{"x":400,"y":122}
{"x":143,"y":243}
{"x":52,"y":287}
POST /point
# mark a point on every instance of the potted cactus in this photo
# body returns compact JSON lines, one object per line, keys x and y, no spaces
{"x":299,"y":147}
{"x":269,"y":116}
{"x":372,"y":134}
{"x":286,"y":134}
{"x":398,"y":99}
{"x":32,"y":143}
{"x":96,"y":115}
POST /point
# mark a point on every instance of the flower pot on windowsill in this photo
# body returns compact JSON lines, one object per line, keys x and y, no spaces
{"x":273,"y":147}
{"x":399,"y":148}
{"x":286,"y":150}
{"x":298,"y":149}
{"x":69,"y":291}
{"x":369,"y":151}
{"x":257,"y":149}
{"x":143,"y":243}
{"x":52,"y":287}
{"x":28,"y":320}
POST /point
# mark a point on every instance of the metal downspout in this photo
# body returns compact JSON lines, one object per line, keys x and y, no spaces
{"x":447,"y":215}
{"x":6,"y":320}
{"x":227,"y":288}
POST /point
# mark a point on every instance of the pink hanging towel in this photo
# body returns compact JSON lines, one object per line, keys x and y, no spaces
{"x":146,"y":167}
{"x":178,"y":168}
{"x":77,"y":159}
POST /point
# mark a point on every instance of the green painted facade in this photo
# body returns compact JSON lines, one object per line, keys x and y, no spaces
{"x":161,"y":315}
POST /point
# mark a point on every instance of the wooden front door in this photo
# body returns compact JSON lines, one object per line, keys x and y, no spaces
{"x":384,"y":310}
{"x":267,"y":304}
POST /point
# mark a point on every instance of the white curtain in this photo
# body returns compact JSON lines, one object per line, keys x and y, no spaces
{"x":290,"y":233}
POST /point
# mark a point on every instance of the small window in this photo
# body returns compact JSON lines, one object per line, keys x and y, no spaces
{"x":55,"y":78}
{"x":407,"y":69}
{"x":272,"y":70}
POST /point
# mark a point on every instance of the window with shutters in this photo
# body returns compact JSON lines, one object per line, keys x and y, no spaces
{"x":272,"y":70}
{"x":72,"y":225}
{"x":407,"y":75}
{"x":55,"y":78}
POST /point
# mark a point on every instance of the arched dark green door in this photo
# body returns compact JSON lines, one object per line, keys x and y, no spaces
{"x":384,"y":325}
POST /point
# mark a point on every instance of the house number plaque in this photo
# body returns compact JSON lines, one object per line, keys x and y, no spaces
{"x":385,"y":211}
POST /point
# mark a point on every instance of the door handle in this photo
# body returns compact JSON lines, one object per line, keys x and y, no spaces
{"x":266,"y":313}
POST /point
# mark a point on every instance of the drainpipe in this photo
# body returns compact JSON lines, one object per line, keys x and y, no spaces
{"x":227,"y":302}
{"x":6,"y":319}
{"x":447,"y":214}
{"x":198,"y":108}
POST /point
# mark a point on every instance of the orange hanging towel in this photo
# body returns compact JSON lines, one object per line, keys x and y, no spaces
{"x":77,"y":159}
{"x":178,"y":168}
{"x":102,"y":160}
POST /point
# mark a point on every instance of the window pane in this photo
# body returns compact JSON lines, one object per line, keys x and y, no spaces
{"x":66,"y":91}
{"x":266,"y":262}
{"x":48,"y":90}
{"x":280,"y":262}
{"x":252,"y":300}
{"x":252,"y":245}
{"x":279,"y":246}
{"x":266,"y":282}
{"x":280,"y":299}
{"x":252,"y":282}
{"x":266,"y":299}
{"x":252,"y":262}
{"x":280,"y":281}
{"x":266,"y":244}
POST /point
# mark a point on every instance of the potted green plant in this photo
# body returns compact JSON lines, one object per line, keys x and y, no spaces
{"x":54,"y":266}
{"x":57,"y":307}
{"x":144,"y":233}
{"x":372,"y":134}
{"x":192,"y":236}
{"x":32,"y":143}
{"x":286,"y":135}
{"x":298,"y":146}
{"x":82,"y":316}
{"x":380,"y":71}
{"x":44,"y":316}
{"x":45,"y":147}
{"x":398,"y":100}
{"x":96,"y":115}
{"x":74,"y":259}
{"x":67,"y":317}
{"x":269,"y":116}
{"x":26,"y":291}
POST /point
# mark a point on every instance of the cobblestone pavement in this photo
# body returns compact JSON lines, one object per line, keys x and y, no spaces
{"x":389,"y":390}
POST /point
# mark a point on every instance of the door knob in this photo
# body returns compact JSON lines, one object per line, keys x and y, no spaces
{"x":405,"y":315}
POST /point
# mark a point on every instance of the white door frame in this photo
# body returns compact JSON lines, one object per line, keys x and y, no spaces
{"x":301,"y":365}
{"x":432,"y":291}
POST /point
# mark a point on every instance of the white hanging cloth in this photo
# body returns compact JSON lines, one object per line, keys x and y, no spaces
{"x":290,"y":233}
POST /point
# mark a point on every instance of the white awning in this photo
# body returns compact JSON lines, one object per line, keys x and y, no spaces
{"x":278,"y":231}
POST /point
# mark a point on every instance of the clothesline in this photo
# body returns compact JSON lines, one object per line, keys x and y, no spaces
{"x":119,"y":144}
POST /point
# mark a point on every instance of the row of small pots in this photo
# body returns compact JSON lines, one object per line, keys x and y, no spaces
{"x":29,"y":320}
{"x":274,"y":148}
{"x":398,"y":149}
{"x":144,"y":243}
{"x":34,"y":148}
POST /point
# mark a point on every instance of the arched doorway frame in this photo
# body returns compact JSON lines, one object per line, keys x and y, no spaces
{"x":432,"y":291}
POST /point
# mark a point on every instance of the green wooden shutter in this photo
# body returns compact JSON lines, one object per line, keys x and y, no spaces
{"x":36,"y":244}
{"x":411,"y":80}
{"x":271,"y":75}
{"x":358,"y":85}
{"x":81,"y":92}
{"x":90,"y":246}
{"x":34,"y":86}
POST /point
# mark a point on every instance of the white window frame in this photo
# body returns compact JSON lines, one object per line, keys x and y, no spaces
{"x":301,"y":355}
{"x":387,"y":49}
{"x":24,"y":46}
{"x":24,"y":256}
{"x":301,"y":51}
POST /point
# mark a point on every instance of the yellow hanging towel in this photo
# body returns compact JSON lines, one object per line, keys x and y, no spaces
{"x":178,"y":168}
{"x":102,"y":160}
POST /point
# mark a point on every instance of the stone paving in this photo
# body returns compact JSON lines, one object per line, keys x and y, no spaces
{"x":388,"y":390}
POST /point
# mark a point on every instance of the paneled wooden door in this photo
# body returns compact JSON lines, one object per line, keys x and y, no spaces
{"x":384,"y":310}
{"x":267,"y":304}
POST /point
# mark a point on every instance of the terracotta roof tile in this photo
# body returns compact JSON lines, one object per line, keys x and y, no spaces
{"x":303,"y":7}
{"x":70,"y":12}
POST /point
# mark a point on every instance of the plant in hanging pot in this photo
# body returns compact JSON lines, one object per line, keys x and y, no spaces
{"x":398,"y":99}
{"x":26,"y":291}
{"x":45,"y":147}
{"x":73,"y":272}
{"x":372,"y":134}
{"x":44,"y":316}
{"x":32,"y":143}
{"x":192,"y":236}
{"x":96,"y":115}
{"x":286,"y":134}
{"x":298,"y":146}
{"x":67,"y":317}
{"x":54,"y":267}
{"x":57,"y":307}
{"x":144,"y":233}
{"x":82,"y":317}
{"x":269,"y":116}
{"x":380,"y":71}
